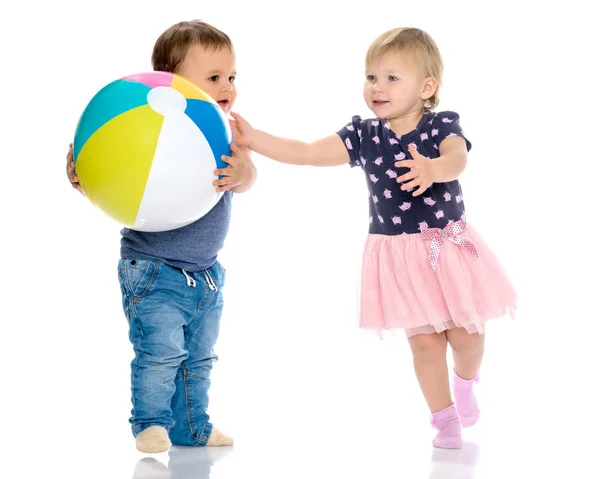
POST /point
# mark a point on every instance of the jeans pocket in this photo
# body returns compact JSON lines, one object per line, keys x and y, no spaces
{"x":140,"y":275}
{"x":220,"y":272}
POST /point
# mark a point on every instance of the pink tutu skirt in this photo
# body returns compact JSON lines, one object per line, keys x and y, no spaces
{"x":405,"y":285}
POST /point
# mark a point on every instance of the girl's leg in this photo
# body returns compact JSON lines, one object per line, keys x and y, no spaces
{"x":467,"y":350}
{"x":429,"y":358}
{"x":429,"y":353}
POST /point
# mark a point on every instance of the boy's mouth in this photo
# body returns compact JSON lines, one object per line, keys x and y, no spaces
{"x":223,"y":103}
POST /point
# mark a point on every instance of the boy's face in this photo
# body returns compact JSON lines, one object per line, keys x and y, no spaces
{"x":213,"y":71}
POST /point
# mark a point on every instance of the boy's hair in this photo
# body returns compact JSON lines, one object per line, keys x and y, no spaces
{"x":172,"y":46}
{"x":417,"y":43}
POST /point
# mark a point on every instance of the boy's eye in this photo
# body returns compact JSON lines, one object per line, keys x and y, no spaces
{"x":392,"y":78}
{"x":214,"y":78}
{"x":231,"y":79}
{"x":371,"y":77}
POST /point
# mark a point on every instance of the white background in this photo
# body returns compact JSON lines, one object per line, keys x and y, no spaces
{"x":302,"y":390}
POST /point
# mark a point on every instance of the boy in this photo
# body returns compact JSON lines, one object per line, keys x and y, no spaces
{"x":171,"y":281}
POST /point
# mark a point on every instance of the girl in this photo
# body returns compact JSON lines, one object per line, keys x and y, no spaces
{"x":425,"y":269}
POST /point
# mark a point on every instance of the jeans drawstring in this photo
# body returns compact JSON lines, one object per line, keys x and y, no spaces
{"x":190,"y":281}
{"x":209,"y":281}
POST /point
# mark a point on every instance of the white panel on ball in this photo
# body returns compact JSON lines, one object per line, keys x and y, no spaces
{"x":180,"y":178}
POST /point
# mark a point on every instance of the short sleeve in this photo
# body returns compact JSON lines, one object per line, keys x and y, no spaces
{"x":445,"y":124}
{"x":351,"y":136}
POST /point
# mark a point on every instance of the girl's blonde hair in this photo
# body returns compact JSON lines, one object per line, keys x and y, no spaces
{"x":417,"y":43}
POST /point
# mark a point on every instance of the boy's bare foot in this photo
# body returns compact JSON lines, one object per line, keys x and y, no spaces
{"x":217,"y":438}
{"x":153,"y":439}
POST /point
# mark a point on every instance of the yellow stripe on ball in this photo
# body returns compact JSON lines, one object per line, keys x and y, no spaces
{"x":115,"y":162}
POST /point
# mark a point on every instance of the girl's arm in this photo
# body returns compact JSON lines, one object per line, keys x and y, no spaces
{"x":452,"y":160}
{"x":424,"y":172}
{"x":329,"y":151}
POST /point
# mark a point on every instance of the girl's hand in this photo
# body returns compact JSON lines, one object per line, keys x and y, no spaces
{"x":243,"y":133}
{"x":421,"y":174}
{"x":240,"y":171}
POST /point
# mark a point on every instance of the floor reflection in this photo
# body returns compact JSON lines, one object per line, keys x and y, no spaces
{"x":184,"y":463}
{"x":455,"y":463}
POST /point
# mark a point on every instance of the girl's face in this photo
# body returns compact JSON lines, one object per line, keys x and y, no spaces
{"x":395,"y":86}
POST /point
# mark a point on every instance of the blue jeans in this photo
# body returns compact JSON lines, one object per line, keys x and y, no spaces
{"x":174,"y":319}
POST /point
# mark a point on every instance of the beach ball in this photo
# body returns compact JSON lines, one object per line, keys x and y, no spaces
{"x":146,"y":147}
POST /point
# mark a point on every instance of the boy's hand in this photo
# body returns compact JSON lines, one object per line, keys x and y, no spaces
{"x":71,"y":171}
{"x":240,"y":174}
{"x":243,"y":133}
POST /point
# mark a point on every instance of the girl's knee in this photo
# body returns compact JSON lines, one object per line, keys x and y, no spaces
{"x":461,"y":341}
{"x":428,"y":344}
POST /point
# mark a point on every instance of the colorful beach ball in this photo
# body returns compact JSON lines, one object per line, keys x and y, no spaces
{"x":145,"y":150}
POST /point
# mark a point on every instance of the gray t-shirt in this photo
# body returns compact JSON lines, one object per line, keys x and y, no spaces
{"x":193,"y":247}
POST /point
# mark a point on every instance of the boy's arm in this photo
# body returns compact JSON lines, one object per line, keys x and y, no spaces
{"x":240,"y":173}
{"x":71,"y":171}
{"x":249,"y":177}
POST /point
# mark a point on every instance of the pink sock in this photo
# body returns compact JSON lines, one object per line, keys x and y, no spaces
{"x":447,"y":423}
{"x":468,"y":410}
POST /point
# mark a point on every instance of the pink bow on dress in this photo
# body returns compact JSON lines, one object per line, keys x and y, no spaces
{"x":451,"y":233}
